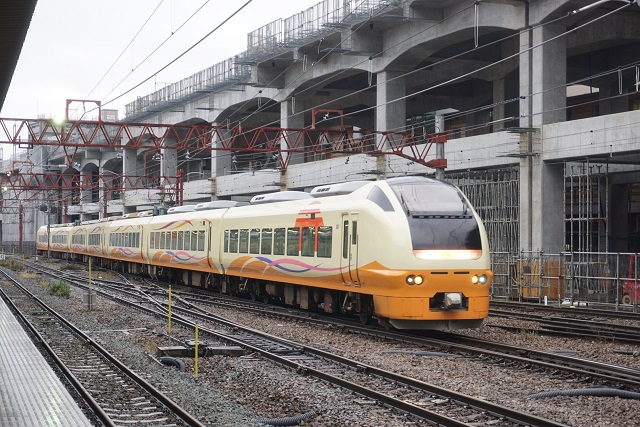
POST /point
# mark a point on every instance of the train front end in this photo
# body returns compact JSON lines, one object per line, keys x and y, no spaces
{"x":440,"y":272}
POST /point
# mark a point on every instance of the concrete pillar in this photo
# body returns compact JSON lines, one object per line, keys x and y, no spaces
{"x":391,"y":110}
{"x":542,"y":84}
{"x":220,"y":159}
{"x":292,"y":117}
{"x":498,"y":110}
{"x":169,"y":168}
{"x":549,"y":75}
{"x":130,"y":171}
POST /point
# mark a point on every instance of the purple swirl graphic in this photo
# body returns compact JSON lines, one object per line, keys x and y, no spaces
{"x":183,"y":256}
{"x":127,"y":252}
{"x":302,"y":266}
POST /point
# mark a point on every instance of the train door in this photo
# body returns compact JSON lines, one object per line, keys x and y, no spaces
{"x":349,"y":258}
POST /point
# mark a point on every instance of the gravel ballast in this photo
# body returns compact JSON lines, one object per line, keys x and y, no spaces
{"x":240,"y":391}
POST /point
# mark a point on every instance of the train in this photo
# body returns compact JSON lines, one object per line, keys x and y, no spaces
{"x":410,"y":252}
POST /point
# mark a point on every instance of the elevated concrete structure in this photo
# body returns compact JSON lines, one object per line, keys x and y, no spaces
{"x":544,"y":90}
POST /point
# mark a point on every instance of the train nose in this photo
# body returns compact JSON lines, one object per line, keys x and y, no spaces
{"x":452,"y":300}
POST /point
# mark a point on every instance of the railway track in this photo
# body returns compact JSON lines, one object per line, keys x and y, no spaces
{"x":591,"y":371}
{"x":116,"y":395}
{"x":609,"y":311}
{"x":396,"y":392}
{"x":574,"y":327}
{"x":410,"y":396}
{"x":301,"y":358}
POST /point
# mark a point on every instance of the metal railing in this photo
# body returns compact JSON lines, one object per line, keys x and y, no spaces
{"x":567,"y":278}
{"x":265,"y":42}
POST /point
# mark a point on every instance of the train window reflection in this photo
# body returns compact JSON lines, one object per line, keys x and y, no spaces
{"x":267,"y":241}
{"x":278,"y":244}
{"x":308,"y":241}
{"x":324,"y":242}
{"x":254,"y":241}
{"x":345,"y":240}
{"x":244,"y":241}
{"x":201,"y":240}
{"x":293,"y":241}
{"x":233,"y":241}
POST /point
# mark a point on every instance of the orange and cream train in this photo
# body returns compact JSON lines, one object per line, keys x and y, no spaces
{"x":411,"y":251}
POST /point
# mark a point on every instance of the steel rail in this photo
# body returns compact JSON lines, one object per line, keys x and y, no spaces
{"x":161,"y":397}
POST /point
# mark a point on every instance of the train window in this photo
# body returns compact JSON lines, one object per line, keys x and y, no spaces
{"x":201,"y":239}
{"x":163,"y":239}
{"x":187,"y":240}
{"x":254,"y":241}
{"x":243,"y":246}
{"x":194,"y":240}
{"x":267,"y":240}
{"x":379,"y":198}
{"x":233,"y":241}
{"x":308,"y":241}
{"x":278,"y":244}
{"x":226,"y":241}
{"x":354,"y":232}
{"x":324,"y":242}
{"x":152,"y":240}
{"x":345,"y":240}
{"x":293,"y":241}
{"x":174,"y":240}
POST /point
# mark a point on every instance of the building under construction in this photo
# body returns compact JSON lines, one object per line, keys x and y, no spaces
{"x":531,"y":108}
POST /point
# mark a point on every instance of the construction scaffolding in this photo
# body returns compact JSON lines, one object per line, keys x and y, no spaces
{"x":586,"y":205}
{"x":495,"y":194}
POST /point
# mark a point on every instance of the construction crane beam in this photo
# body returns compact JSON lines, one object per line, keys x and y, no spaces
{"x":72,"y":135}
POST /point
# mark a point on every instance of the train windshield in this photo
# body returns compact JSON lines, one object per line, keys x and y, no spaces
{"x":439,"y":216}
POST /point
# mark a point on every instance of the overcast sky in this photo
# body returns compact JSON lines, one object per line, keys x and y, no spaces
{"x":71,"y":44}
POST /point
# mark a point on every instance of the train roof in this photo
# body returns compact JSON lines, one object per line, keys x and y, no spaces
{"x":337,"y":189}
{"x":218,"y":204}
{"x":183,"y":208}
{"x":281,"y":196}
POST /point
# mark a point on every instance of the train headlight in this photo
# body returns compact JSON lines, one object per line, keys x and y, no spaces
{"x":479,"y":279}
{"x":414,"y":280}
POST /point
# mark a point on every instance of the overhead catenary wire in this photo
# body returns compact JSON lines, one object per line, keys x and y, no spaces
{"x":227,"y":19}
{"x":125,"y":49}
{"x":481,"y":47}
{"x":157,"y":48}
